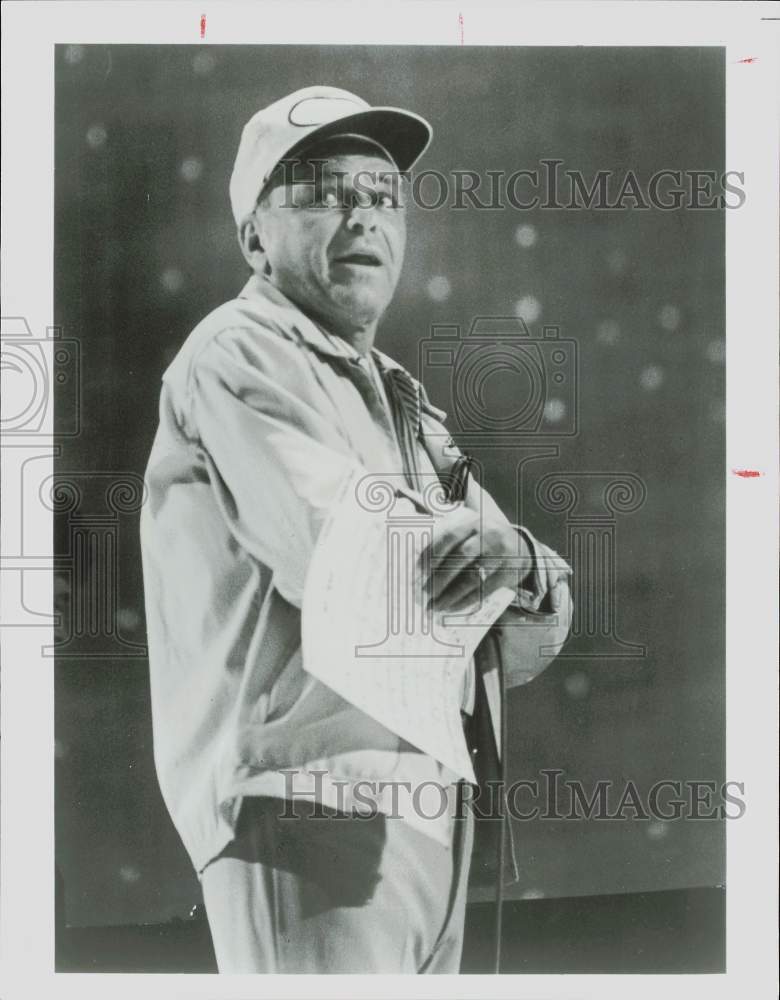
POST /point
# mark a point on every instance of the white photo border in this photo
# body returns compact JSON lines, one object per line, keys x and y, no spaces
{"x":749,"y":32}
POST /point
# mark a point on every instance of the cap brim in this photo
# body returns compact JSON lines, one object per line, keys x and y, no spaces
{"x":403,"y":134}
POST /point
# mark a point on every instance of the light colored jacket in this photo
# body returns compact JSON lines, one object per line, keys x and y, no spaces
{"x":262,"y":415}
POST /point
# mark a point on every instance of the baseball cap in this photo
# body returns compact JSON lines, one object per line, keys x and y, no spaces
{"x":318,"y":111}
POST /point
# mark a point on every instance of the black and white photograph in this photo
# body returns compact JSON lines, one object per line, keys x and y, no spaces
{"x":389,"y":449}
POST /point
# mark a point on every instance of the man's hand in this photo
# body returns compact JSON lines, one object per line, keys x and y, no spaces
{"x":471,"y":557}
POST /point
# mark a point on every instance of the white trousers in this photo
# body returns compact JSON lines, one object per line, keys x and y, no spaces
{"x":336,"y":894}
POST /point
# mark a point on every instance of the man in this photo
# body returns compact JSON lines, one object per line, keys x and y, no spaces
{"x":273,"y":400}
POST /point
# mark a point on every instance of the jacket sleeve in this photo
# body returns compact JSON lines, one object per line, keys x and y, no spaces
{"x":536,"y":624}
{"x":275,"y":462}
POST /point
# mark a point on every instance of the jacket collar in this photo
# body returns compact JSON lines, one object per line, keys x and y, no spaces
{"x":314,"y":335}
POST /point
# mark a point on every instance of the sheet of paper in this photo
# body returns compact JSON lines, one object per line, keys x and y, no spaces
{"x":366,"y":634}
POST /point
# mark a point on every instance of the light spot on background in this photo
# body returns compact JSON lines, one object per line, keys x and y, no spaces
{"x":191,"y":169}
{"x":74,"y":54}
{"x":669,"y":317}
{"x":608,"y":332}
{"x":577,"y":685}
{"x":172,"y":280}
{"x":96,"y":136}
{"x":651,"y":378}
{"x":657,"y":829}
{"x":617,"y":261}
{"x":528,"y":308}
{"x":129,"y":874}
{"x":128,"y":619}
{"x":204,"y":62}
{"x":439,"y":288}
{"x":532,"y":894}
{"x":554,"y":411}
{"x":526,"y":236}
{"x":716,"y":352}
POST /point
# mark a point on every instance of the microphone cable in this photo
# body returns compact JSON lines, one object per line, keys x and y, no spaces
{"x":503,"y":819}
{"x":457,"y":486}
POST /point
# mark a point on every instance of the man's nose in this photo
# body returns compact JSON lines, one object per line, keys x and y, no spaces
{"x":361,"y":218}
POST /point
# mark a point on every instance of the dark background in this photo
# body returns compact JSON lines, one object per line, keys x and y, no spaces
{"x":145,"y":246}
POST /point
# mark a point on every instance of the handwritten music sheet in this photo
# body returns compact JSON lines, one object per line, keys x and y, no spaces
{"x":366,"y":633}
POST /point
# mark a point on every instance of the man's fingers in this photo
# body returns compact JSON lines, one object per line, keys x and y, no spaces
{"x":552,"y":567}
{"x":448,"y":570}
{"x":448,"y":533}
{"x":559,"y":593}
{"x":462,"y":589}
{"x":465,"y":603}
{"x":470,"y":587}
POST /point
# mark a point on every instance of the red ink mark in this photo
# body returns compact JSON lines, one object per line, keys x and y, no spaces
{"x":750,"y":59}
{"x":202,"y":25}
{"x":747,"y":473}
{"x":460,"y":22}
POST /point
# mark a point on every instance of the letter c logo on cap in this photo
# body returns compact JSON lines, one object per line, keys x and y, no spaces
{"x":321,"y":110}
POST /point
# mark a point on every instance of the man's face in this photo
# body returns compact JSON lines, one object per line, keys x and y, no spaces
{"x":334,"y":236}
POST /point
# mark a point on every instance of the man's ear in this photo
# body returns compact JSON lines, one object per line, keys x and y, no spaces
{"x":250,"y":238}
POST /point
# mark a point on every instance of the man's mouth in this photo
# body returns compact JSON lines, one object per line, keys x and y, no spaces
{"x":359,"y":259}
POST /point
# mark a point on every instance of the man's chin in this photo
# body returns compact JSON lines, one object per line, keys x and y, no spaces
{"x":361,"y":309}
